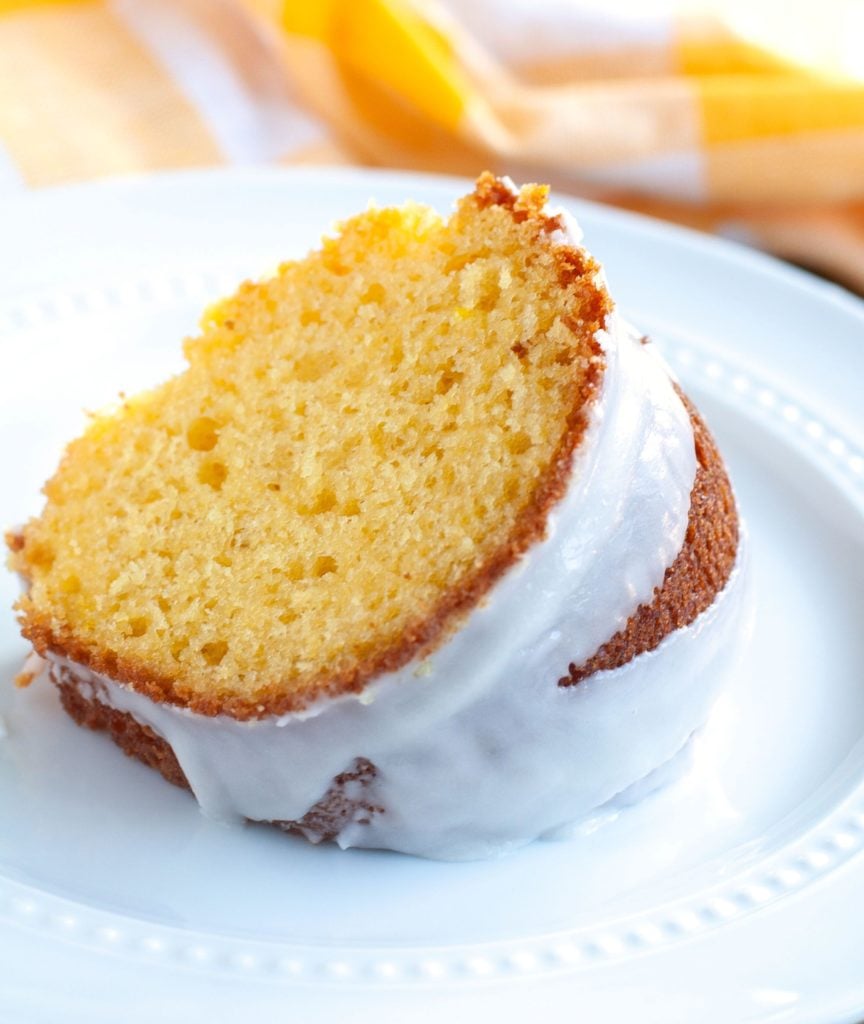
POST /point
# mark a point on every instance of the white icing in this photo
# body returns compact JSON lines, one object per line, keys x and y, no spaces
{"x":570,"y":232}
{"x":524,"y":759}
{"x":478,"y":749}
{"x":33,"y":665}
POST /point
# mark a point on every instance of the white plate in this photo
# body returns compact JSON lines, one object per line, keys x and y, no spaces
{"x":735,"y":893}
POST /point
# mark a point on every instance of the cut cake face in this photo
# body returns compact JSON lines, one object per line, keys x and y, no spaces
{"x":424,"y":551}
{"x":359,"y":448}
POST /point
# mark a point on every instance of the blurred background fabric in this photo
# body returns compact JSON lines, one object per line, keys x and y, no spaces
{"x":746,"y":119}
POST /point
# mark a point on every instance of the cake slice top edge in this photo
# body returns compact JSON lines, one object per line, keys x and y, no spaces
{"x":360,"y":447}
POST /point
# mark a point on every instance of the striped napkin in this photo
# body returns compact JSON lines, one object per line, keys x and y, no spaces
{"x":749,"y":122}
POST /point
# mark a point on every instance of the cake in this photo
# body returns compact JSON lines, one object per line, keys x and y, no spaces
{"x":424,"y":550}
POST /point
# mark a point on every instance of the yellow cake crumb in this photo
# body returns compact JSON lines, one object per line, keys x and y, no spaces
{"x":353,"y":439}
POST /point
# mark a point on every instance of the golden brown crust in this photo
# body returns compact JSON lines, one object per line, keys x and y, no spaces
{"x":698,"y":573}
{"x":691,"y":583}
{"x":577,"y":273}
{"x":323,"y":821}
{"x":342,"y":803}
{"x":14,"y":540}
{"x":136,"y":740}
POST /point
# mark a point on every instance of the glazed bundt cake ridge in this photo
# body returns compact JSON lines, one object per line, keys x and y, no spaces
{"x":340,"y":483}
{"x":360,"y":447}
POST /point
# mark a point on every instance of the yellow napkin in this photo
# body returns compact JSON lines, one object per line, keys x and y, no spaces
{"x":751,"y":124}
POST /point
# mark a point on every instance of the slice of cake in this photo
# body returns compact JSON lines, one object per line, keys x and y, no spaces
{"x":424,"y":550}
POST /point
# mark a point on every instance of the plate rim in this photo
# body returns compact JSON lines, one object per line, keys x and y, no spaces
{"x":742,"y":255}
{"x":761,"y":263}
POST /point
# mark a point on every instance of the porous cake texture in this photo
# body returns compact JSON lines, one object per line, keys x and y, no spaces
{"x":424,"y":550}
{"x":359,"y":447}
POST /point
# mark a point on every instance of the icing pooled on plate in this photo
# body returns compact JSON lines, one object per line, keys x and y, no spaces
{"x":477,"y":749}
